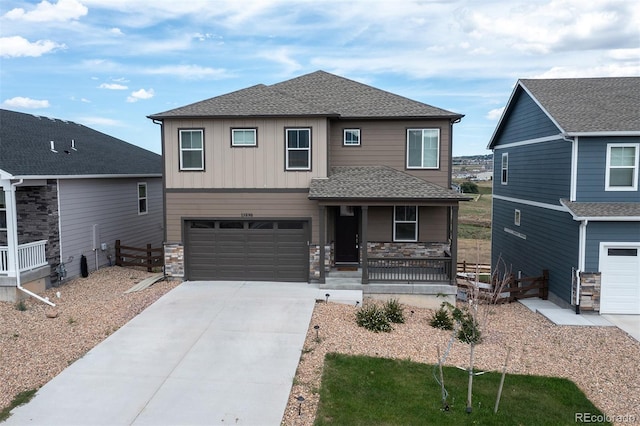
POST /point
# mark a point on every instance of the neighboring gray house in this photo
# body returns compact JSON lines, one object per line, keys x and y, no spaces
{"x":65,"y":190}
{"x":566,"y":196}
{"x":270,"y":182}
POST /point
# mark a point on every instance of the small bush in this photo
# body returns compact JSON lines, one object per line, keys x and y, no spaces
{"x":469,"y":328}
{"x":441,"y":319}
{"x":373,"y":317}
{"x":394,"y":311}
{"x":21,"y":306}
{"x":469,"y":187}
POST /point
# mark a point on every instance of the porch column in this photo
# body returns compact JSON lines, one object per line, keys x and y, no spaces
{"x":454,"y":244}
{"x":12,"y":228}
{"x":364,"y":240}
{"x":321,"y":241}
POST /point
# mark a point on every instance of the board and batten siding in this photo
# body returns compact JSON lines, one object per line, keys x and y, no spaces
{"x":545,"y":239}
{"x":262,"y":166}
{"x":525,"y":121}
{"x":183,"y":205}
{"x":432,"y":224}
{"x":610,"y":232}
{"x":112,"y":205}
{"x":383,"y":143}
{"x":592,"y":168}
{"x":538,"y":172}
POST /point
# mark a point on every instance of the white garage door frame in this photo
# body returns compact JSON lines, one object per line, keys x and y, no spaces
{"x":620,"y":279}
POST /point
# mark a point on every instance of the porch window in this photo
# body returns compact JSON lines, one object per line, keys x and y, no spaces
{"x":3,"y":212}
{"x":405,"y":223}
{"x":504,"y":177}
{"x":298,"y":149}
{"x":622,"y":167}
{"x":191,"y":149}
{"x":423,"y":148}
{"x":142,"y":198}
{"x":351,"y":137}
{"x":244,"y":137}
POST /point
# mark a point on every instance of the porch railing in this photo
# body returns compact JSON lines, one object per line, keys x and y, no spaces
{"x":30,"y":256}
{"x":410,"y":269}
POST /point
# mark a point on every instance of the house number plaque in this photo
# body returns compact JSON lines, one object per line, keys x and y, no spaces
{"x":246,"y":214}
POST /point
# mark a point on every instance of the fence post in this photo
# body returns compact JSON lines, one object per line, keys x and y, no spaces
{"x":149,"y":258}
{"x":118,"y":254}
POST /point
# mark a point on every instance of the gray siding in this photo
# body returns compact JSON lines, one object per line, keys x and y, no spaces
{"x":551,"y":243}
{"x":112,"y":205}
{"x":539,"y":172}
{"x":432,"y":224}
{"x":525,"y":121}
{"x":611,"y":232}
{"x":592,"y":166}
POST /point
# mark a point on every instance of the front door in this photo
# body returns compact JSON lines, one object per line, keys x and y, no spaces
{"x":346,"y":240}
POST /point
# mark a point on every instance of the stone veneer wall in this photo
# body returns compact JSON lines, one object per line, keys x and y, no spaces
{"x":174,"y":260}
{"x":391,"y":250}
{"x":314,"y":260}
{"x":590,"y":291}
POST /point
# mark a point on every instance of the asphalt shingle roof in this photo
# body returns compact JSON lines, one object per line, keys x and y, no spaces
{"x":319,"y":93}
{"x":590,"y":104}
{"x":602,"y":210}
{"x":25,"y":149}
{"x":377,"y":182}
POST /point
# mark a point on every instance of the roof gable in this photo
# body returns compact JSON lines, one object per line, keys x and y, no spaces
{"x":25,"y":149}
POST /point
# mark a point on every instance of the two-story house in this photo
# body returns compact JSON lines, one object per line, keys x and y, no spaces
{"x":264,"y":182}
{"x":566,"y":194}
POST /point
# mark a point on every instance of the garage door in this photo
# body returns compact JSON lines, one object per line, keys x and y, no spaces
{"x":620,"y":281}
{"x":255,"y":250}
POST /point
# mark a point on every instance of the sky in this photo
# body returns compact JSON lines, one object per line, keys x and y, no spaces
{"x":108,"y":64}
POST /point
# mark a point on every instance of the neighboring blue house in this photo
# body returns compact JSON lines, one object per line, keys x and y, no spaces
{"x":566,"y":192}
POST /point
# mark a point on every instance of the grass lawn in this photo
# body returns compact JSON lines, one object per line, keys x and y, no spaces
{"x":359,"y":390}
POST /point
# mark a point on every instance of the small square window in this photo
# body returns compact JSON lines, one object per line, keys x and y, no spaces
{"x":351,"y":137}
{"x":516,"y":217}
{"x":622,"y":167}
{"x":244,"y":137}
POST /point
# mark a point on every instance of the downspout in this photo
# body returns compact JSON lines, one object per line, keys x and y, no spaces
{"x":14,"y":246}
{"x":581,"y":262}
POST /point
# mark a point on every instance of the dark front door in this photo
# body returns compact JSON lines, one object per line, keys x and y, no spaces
{"x":346,"y":241}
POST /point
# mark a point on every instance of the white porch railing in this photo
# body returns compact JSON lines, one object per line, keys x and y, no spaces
{"x":30,"y":256}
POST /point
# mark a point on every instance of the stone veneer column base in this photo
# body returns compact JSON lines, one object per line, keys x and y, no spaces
{"x":590,"y":291}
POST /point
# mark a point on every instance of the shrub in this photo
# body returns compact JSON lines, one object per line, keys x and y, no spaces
{"x":394,"y":311}
{"x":21,"y":306}
{"x":373,"y":317}
{"x":441,"y":319}
{"x":469,"y":187}
{"x":469,"y":331}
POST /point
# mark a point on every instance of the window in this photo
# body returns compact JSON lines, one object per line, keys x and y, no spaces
{"x":3,"y":211}
{"x":505,"y":168}
{"x":191,"y":150}
{"x":298,"y":143}
{"x":405,"y":223}
{"x":516,"y":217}
{"x":244,"y":137}
{"x":142,"y":198}
{"x":622,"y":167}
{"x":423,"y":148}
{"x":351,"y":137}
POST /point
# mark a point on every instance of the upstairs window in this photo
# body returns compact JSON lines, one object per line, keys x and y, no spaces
{"x":405,"y":223}
{"x":504,"y":176}
{"x":142,"y":198}
{"x":622,"y":167}
{"x":244,"y":137}
{"x":423,"y":148}
{"x":192,"y":149}
{"x":298,"y":149}
{"x":351,"y":137}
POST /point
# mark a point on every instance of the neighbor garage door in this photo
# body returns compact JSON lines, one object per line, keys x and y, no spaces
{"x":257,"y":250}
{"x":620,"y":280}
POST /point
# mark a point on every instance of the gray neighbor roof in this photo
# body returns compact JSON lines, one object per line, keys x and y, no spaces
{"x":377,"y":183}
{"x":603,"y":211}
{"x":25,"y":149}
{"x":316,"y":94}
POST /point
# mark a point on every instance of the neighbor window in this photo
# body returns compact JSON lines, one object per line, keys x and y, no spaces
{"x":298,"y":144}
{"x":622,"y":167}
{"x":142,"y":198}
{"x":405,"y":223}
{"x":351,"y":137}
{"x":3,"y":212}
{"x":423,"y":148}
{"x":192,"y":149}
{"x":505,"y":168}
{"x":516,"y":217}
{"x":244,"y":137}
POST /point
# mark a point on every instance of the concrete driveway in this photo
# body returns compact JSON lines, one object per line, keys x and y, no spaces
{"x":205,"y":353}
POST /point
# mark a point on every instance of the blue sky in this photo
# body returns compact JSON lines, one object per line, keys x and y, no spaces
{"x":109,"y":63}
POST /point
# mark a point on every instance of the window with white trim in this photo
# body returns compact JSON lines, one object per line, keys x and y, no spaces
{"x":244,"y":137}
{"x":622,"y":167}
{"x":516,"y":217}
{"x":504,"y":176}
{"x":423,"y":148}
{"x":192,"y":149}
{"x":351,"y":137}
{"x":405,"y":223}
{"x":298,"y":149}
{"x":142,"y":198}
{"x":3,"y":212}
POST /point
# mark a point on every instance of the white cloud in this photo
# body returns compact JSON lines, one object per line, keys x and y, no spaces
{"x":116,"y":31}
{"x":140,"y":94}
{"x":99,"y":121}
{"x":22,"y":102}
{"x":112,"y":86}
{"x":63,"y":10}
{"x":16,"y":46}
{"x":495,"y":114}
{"x":187,"y":71}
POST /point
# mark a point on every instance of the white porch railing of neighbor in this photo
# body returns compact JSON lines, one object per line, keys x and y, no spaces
{"x":30,"y":256}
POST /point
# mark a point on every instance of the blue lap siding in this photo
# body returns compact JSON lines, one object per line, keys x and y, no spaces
{"x":527,"y":121}
{"x":610,"y":232}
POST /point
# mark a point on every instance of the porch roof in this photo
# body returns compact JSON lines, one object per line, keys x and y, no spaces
{"x":603,"y":211}
{"x":380,"y":183}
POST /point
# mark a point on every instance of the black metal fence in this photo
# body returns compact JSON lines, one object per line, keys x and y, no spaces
{"x":410,"y":269}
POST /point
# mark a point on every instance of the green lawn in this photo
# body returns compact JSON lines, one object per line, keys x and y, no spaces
{"x":358,"y":390}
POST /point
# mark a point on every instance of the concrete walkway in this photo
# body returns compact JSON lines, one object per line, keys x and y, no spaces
{"x":205,"y":353}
